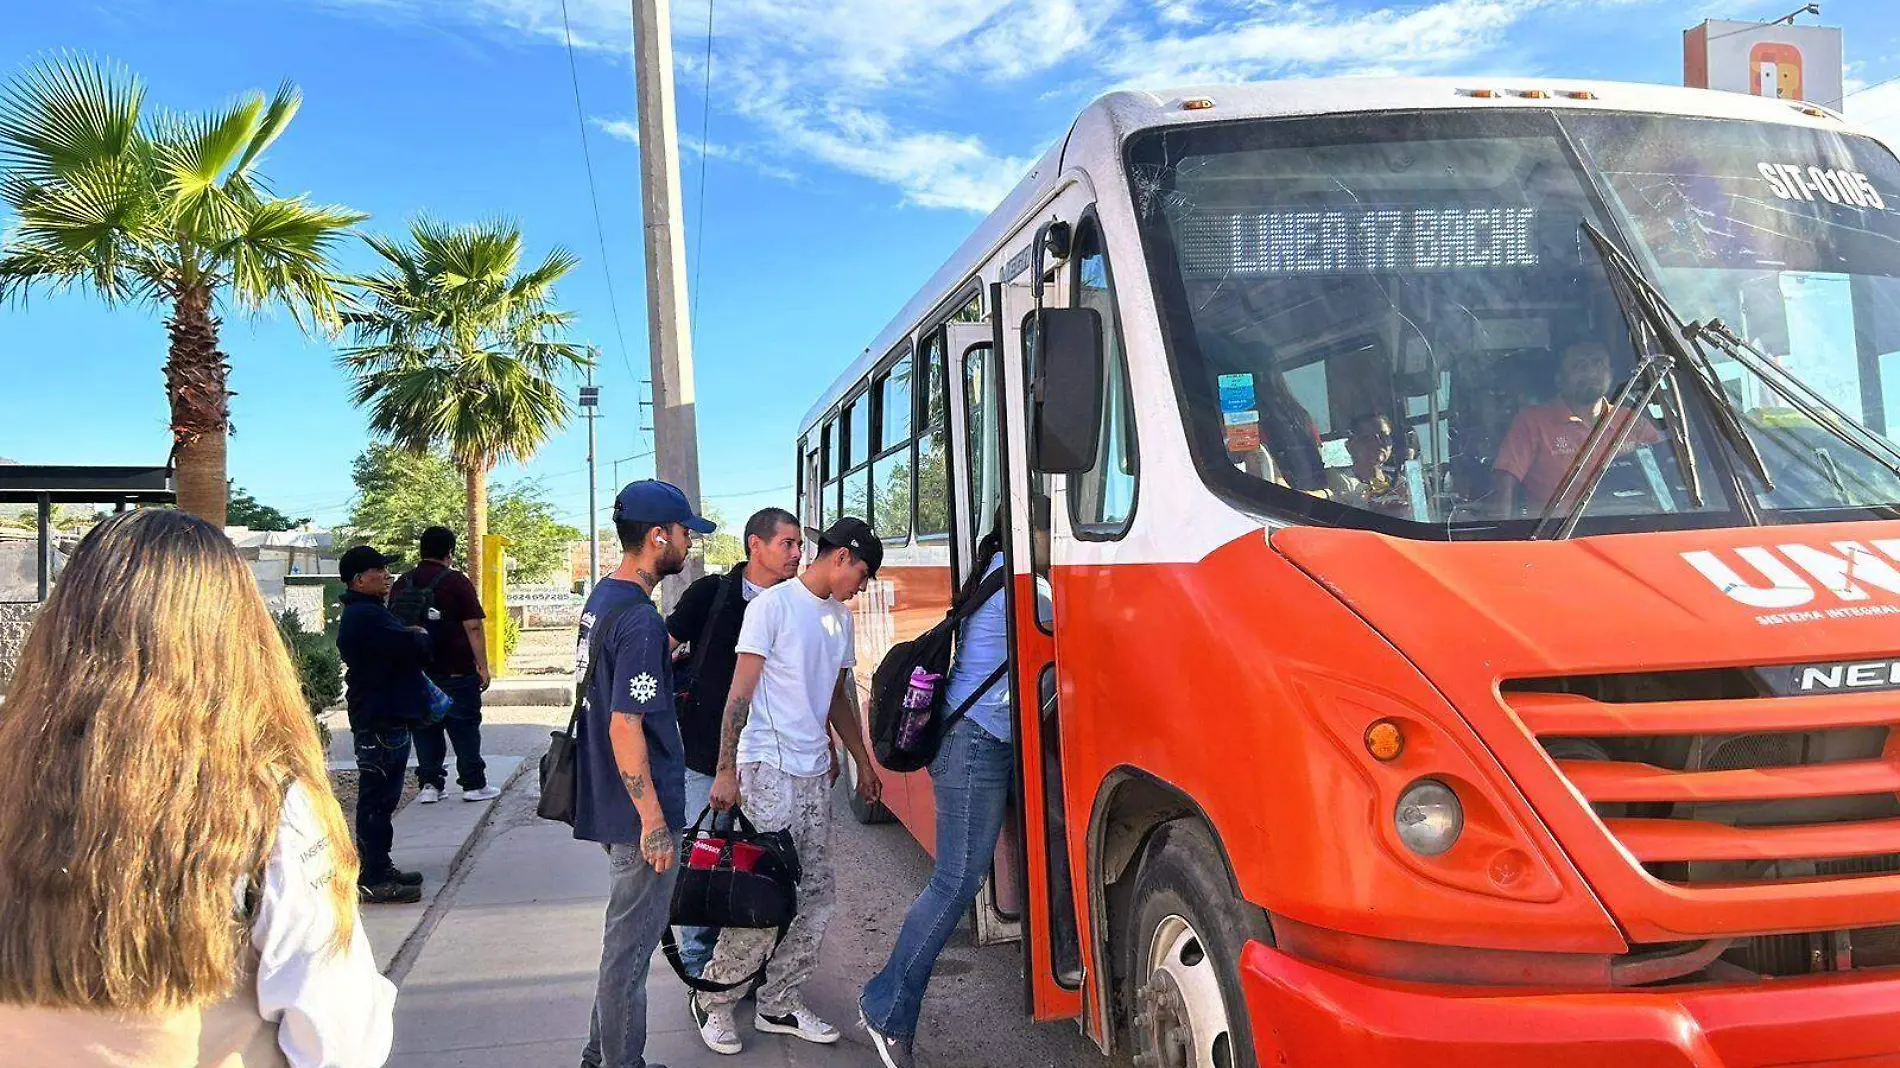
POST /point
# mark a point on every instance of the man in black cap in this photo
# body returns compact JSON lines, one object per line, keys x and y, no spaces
{"x":792,"y":687}
{"x":388,"y":696}
{"x":630,"y":771}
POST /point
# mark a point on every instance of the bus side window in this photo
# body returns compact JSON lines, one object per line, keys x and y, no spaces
{"x":982,"y":470}
{"x":1102,"y":500}
{"x":933,"y":473}
{"x":828,"y":509}
{"x":891,"y":465}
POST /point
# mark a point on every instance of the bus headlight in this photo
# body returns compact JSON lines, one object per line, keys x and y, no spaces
{"x":1429,"y":817}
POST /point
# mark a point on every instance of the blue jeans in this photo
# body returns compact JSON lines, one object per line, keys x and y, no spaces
{"x":970,"y":779}
{"x":462,"y":727}
{"x":637,"y":910}
{"x":696,"y":943}
{"x":381,"y":757}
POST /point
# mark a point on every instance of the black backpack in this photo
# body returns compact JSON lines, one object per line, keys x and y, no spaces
{"x":411,"y":603}
{"x":931,"y":651}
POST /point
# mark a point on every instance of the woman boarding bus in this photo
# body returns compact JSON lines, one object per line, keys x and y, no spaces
{"x":1330,"y":752}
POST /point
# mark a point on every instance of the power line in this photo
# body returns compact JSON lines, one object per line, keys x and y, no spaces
{"x":1884,"y":81}
{"x":705,"y":129}
{"x":593,"y":195}
{"x":749,"y":493}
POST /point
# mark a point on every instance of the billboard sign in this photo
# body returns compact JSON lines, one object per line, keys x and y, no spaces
{"x":1765,"y":59}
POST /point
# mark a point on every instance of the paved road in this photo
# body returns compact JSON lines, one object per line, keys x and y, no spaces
{"x":506,"y":974}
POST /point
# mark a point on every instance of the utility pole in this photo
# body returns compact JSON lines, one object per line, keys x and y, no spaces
{"x":590,"y":401}
{"x":675,"y":429}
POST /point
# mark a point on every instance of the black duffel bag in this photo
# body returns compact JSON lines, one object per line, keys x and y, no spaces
{"x":737,"y":877}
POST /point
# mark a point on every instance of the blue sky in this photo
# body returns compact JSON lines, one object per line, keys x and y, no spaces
{"x":849,"y":146}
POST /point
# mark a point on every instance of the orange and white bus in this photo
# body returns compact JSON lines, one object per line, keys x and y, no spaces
{"x":1456,"y":616}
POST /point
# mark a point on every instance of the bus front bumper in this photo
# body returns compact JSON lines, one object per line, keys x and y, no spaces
{"x":1306,"y":1014}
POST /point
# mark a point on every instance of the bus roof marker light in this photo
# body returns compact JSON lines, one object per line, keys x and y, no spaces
{"x":1196,"y":103}
{"x":1385,"y":741}
{"x":1483,"y":94}
{"x":1580,"y":94}
{"x":1534,"y":94}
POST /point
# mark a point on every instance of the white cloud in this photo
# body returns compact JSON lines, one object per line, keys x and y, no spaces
{"x":628,"y":130}
{"x":619,"y":129}
{"x":1308,"y":38}
{"x":934,"y":169}
{"x":862,"y":86}
{"x":1877,"y":110}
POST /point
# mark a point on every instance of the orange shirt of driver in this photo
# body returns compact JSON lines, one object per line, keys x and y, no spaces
{"x":1543,"y":442}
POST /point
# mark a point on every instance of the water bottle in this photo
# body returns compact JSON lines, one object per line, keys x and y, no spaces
{"x":918,"y":699}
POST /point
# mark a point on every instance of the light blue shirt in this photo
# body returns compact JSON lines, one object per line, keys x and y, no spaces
{"x":982,"y":647}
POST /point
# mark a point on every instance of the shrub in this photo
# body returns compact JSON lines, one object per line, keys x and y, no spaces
{"x":319,"y":665}
{"x":510,"y":637}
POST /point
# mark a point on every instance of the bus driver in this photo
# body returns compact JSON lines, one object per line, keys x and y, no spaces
{"x":1544,"y":438}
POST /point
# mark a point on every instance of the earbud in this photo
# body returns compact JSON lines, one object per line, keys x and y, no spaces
{"x":663,"y":540}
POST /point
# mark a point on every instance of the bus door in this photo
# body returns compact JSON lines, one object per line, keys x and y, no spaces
{"x":975,"y":386}
{"x":1052,"y":942}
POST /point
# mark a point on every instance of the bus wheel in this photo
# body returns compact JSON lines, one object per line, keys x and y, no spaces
{"x":1184,"y":944}
{"x":848,"y":781}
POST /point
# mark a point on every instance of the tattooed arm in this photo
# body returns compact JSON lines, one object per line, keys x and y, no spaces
{"x":745,"y":683}
{"x":630,"y":756}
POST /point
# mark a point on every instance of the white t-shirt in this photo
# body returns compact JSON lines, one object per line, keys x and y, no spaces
{"x":806,"y":641}
{"x":330,"y":1009}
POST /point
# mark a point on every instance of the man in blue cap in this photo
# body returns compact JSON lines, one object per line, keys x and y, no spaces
{"x":630,"y":771}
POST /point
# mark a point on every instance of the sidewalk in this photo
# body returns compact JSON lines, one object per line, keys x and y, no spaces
{"x":507,"y":975}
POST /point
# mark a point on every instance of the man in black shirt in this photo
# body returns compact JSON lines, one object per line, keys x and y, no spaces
{"x":453,"y":618}
{"x":712,"y":609}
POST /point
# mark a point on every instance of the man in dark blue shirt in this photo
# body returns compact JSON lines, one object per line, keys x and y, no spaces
{"x":388,"y":697}
{"x":630,"y":771}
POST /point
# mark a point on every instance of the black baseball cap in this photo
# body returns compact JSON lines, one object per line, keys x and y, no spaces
{"x":850,"y":533}
{"x":653,"y":501}
{"x":359,"y":559}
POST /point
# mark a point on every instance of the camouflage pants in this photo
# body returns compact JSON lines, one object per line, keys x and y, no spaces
{"x":774,"y":801}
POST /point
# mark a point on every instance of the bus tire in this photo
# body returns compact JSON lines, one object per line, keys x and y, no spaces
{"x":867,"y":813}
{"x":1181,"y":957}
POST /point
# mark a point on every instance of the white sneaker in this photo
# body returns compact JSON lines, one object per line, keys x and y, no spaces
{"x":486,"y":793}
{"x":802,"y":1023}
{"x":717,"y":1028}
{"x":429,"y":795}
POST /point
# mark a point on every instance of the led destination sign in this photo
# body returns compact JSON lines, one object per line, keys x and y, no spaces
{"x":1360,"y":241}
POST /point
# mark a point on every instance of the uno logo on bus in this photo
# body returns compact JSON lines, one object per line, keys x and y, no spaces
{"x":1850,"y":574}
{"x":1791,"y":181}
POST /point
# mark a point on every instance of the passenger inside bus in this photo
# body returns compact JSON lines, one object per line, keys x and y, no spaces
{"x":1372,"y":479}
{"x":1544,"y":438}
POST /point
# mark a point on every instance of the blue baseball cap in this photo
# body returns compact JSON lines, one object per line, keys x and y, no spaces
{"x":653,"y":501}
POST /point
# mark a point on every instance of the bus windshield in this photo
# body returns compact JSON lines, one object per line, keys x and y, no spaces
{"x":1395,"y":321}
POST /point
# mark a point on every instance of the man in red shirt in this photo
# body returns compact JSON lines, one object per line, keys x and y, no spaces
{"x":453,"y":617}
{"x":1544,"y":438}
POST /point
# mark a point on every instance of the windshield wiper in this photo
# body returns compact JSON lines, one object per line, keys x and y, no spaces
{"x":1817,"y":408}
{"x":1601,"y":447}
{"x":1677,"y":364}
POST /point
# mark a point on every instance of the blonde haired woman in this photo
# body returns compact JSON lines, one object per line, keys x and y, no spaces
{"x":178,"y":883}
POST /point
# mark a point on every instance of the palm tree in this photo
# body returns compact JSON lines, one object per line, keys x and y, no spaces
{"x":165,"y":209}
{"x":455,"y":349}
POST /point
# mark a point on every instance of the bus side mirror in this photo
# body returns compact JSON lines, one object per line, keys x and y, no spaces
{"x":1068,"y":391}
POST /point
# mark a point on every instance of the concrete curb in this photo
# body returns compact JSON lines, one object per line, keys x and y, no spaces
{"x":530,"y":690}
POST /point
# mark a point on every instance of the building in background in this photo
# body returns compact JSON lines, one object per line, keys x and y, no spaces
{"x":1772,"y":59}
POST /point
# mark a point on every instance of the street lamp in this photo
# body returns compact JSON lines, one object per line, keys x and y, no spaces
{"x":590,"y":402}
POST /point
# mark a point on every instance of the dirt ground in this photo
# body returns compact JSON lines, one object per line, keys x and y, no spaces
{"x":544,"y":651}
{"x":343,"y":784}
